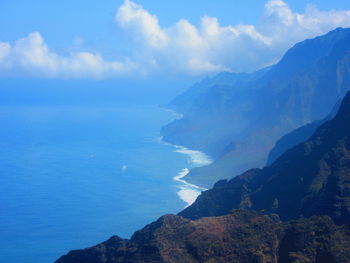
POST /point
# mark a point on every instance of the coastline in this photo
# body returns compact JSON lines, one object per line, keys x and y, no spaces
{"x":188,"y":192}
{"x":176,"y":115}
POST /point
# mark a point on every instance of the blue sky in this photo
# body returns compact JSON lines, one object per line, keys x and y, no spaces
{"x":114,"y":38}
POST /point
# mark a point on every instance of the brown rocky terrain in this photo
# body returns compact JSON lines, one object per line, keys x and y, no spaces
{"x":242,"y":236}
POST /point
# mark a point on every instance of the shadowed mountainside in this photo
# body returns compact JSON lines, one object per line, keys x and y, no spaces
{"x":295,"y":210}
{"x":239,"y":120}
{"x":241,"y":236}
{"x":313,"y":178}
{"x":297,"y":136}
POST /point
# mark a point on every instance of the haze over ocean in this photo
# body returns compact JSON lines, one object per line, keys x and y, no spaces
{"x":74,"y":173}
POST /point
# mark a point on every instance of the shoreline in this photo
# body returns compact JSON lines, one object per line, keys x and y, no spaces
{"x":176,"y":115}
{"x":188,"y":192}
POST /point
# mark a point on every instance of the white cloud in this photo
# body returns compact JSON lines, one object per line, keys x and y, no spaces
{"x":5,"y":50}
{"x":30,"y":56}
{"x":185,"y":48}
{"x":133,"y":16}
{"x":285,"y":27}
{"x":182,"y":48}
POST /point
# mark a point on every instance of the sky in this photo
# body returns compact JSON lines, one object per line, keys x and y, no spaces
{"x":85,"y":39}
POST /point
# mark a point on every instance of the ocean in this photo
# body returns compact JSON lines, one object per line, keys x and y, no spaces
{"x":72,"y":175}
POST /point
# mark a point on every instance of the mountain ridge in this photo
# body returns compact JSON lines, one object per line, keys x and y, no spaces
{"x":297,"y":136}
{"x":241,"y":236}
{"x":313,"y":178}
{"x":297,"y":209}
{"x":239,"y":124}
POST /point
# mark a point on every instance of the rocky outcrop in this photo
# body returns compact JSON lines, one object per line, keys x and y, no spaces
{"x":241,"y":236}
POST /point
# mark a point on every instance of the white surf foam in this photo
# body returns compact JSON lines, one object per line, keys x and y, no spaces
{"x":188,"y":192}
{"x":175,"y":114}
{"x":188,"y":195}
{"x":180,"y":179}
{"x":196,"y":157}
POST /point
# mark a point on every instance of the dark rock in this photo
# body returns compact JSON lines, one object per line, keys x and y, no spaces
{"x":242,"y":237}
{"x":313,"y":178}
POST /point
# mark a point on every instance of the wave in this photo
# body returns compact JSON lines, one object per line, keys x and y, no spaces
{"x":188,"y":192}
{"x":181,"y":175}
{"x":196,"y":157}
{"x":175,"y":114}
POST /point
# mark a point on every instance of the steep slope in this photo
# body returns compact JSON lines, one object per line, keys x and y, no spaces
{"x":310,"y":180}
{"x":239,"y":124}
{"x":184,"y":102}
{"x":313,"y":178}
{"x":297,"y":136}
{"x":242,"y":236}
{"x":292,"y":139}
{"x":227,"y":92}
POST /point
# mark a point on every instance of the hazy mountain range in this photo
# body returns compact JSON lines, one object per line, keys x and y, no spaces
{"x":295,"y":209}
{"x":308,"y":185}
{"x":237,"y":118}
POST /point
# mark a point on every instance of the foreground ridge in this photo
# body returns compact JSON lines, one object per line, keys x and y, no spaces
{"x":242,"y":236}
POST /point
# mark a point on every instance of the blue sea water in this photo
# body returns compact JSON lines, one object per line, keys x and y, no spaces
{"x":73,"y":175}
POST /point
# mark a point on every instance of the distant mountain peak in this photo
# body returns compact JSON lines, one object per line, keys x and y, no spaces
{"x":306,"y":53}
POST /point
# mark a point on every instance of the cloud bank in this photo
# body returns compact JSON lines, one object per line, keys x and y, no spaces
{"x":210,"y":47}
{"x":182,"y":48}
{"x":30,"y":56}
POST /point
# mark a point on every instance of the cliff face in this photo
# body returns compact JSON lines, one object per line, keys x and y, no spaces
{"x":239,"y":123}
{"x":297,"y":136}
{"x":310,"y":181}
{"x":242,"y":236}
{"x":312,"y":178}
{"x":296,"y":210}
